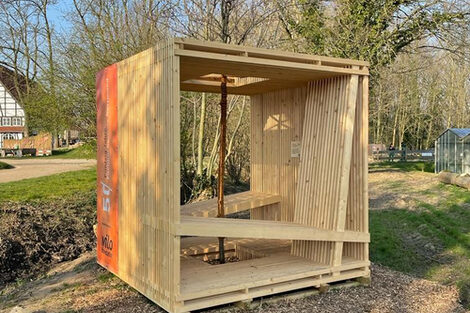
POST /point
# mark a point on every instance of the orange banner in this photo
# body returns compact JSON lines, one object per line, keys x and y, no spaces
{"x":107,"y":172}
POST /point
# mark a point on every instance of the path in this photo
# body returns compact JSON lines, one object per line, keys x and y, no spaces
{"x":30,"y":168}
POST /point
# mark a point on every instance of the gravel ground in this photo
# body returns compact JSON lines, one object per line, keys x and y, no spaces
{"x":389,"y":292}
{"x":30,"y":168}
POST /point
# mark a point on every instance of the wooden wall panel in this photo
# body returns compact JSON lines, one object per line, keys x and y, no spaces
{"x":276,"y":122}
{"x":148,"y":117}
{"x":357,"y":217}
{"x":324,"y":162}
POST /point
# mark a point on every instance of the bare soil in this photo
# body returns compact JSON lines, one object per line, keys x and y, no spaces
{"x":390,"y":188}
{"x":36,"y":236}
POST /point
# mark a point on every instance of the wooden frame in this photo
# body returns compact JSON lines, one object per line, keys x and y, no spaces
{"x":308,"y":200}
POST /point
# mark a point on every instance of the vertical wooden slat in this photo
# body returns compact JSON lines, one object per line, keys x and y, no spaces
{"x":256,"y":151}
{"x":365,"y":166}
{"x":358,"y":204}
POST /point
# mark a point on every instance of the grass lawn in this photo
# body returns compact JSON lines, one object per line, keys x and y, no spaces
{"x":85,"y":151}
{"x":56,"y":186}
{"x":431,"y":239}
{"x":421,"y":166}
{"x":4,"y":166}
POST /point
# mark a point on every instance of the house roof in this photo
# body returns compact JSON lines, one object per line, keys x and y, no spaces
{"x":7,"y":78}
{"x":460,"y":132}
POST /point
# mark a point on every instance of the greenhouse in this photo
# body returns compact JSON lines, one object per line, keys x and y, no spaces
{"x":453,"y":151}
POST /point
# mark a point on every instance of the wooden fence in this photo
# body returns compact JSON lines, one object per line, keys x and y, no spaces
{"x":41,"y":142}
{"x":402,"y":155}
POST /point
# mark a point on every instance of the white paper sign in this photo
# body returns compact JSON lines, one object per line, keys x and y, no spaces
{"x":295,"y":149}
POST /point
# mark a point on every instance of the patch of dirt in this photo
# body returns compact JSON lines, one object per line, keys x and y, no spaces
{"x":80,"y":285}
{"x":35,"y":236}
{"x":402,"y":190}
{"x":429,"y":248}
{"x":227,"y":260}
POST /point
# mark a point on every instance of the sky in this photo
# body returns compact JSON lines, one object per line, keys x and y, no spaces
{"x":57,"y":15}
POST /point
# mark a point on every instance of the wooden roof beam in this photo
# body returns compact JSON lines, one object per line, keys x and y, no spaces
{"x":222,"y":48}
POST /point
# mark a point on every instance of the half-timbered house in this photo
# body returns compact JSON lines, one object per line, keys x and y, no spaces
{"x":12,"y":117}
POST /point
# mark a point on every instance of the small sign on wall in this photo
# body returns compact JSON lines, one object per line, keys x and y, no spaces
{"x":295,"y":149}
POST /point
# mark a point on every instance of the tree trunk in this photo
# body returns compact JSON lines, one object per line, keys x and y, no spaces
{"x":220,"y":191}
{"x":235,"y":131}
{"x":200,"y":139}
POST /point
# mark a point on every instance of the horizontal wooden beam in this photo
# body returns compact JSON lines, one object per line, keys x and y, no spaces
{"x":240,"y":228}
{"x":217,"y":47}
{"x":245,"y":89}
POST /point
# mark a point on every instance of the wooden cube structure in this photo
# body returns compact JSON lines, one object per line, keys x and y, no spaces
{"x":308,"y":200}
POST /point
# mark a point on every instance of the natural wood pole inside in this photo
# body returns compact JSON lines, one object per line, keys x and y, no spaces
{"x":220,"y":192}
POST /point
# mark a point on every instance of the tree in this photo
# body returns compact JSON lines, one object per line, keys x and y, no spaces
{"x":375,"y":31}
{"x":29,"y":51}
{"x":394,"y":36}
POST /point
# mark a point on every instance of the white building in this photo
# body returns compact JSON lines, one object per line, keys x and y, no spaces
{"x":12,"y":117}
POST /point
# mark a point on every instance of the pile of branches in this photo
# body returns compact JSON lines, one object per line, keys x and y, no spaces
{"x":35,"y":236}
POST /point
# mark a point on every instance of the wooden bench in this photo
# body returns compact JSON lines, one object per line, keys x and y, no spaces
{"x":241,"y":228}
{"x":233,"y":203}
{"x":207,"y":248}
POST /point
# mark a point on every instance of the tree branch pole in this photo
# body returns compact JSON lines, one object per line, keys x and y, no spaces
{"x":220,"y":183}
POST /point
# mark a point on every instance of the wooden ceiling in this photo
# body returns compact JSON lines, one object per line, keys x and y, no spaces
{"x":254,"y":70}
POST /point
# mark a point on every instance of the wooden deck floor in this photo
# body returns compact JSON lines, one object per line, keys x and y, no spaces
{"x":204,"y":285}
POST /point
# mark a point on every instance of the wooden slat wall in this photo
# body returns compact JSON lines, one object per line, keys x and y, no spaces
{"x":148,"y":117}
{"x":357,"y":217}
{"x":276,"y":121}
{"x":321,"y":171}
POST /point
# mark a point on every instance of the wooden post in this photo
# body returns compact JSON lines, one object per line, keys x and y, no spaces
{"x":220,"y":189}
